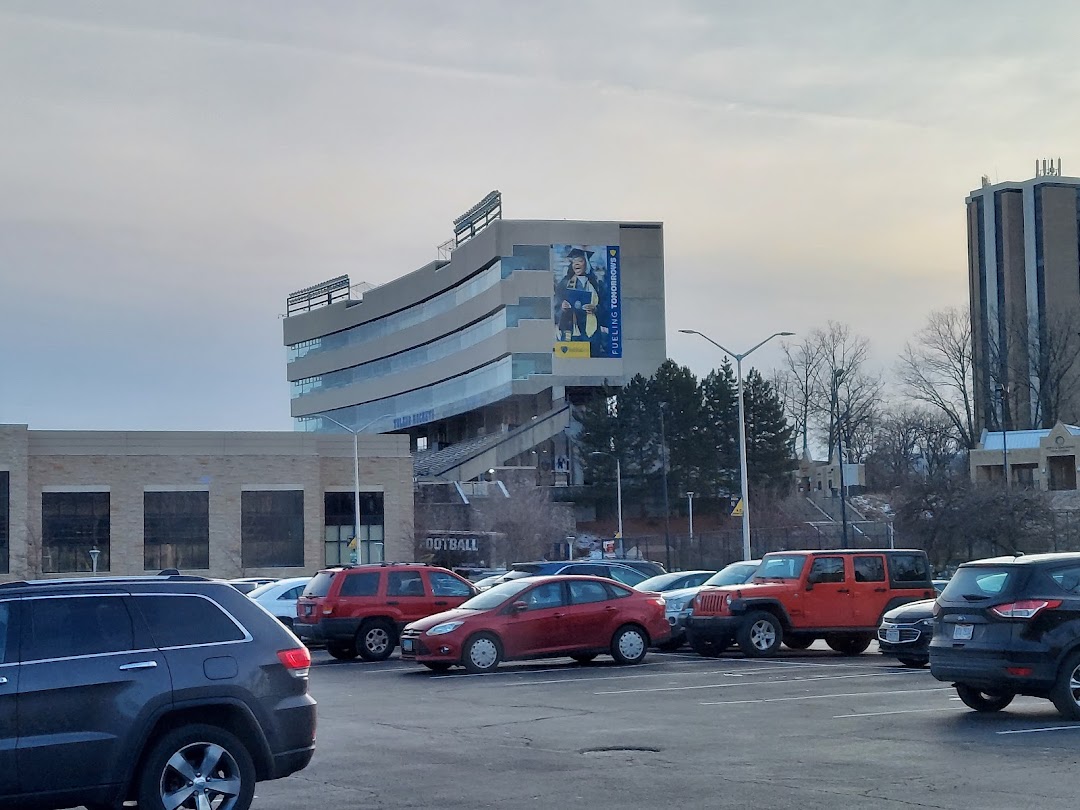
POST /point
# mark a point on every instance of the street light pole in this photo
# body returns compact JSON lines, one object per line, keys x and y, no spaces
{"x":838,"y":375}
{"x":618,"y":491}
{"x":356,"y":469}
{"x":667,"y":508}
{"x":1004,"y":448}
{"x":742,"y":426}
{"x":690,"y":501}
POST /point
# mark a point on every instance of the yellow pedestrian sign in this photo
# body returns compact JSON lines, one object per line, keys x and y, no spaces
{"x":737,"y":511}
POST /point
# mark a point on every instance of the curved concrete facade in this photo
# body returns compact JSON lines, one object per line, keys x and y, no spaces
{"x":479,"y":344}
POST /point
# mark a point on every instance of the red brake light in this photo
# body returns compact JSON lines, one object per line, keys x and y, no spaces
{"x":1025,"y":608}
{"x":295,"y":658}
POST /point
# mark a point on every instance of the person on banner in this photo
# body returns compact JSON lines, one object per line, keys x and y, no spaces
{"x":580,"y":310}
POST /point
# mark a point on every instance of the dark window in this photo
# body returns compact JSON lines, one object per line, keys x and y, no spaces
{"x":584,"y":569}
{"x":445,"y":585}
{"x":617,"y":591}
{"x":627,"y":576}
{"x":292,"y":594}
{"x":72,"y":525}
{"x":272,"y":529}
{"x":405,"y":583}
{"x":827,"y":569}
{"x":5,"y":521}
{"x":5,"y":625}
{"x":1068,"y":579}
{"x":340,"y":526}
{"x":584,"y":592}
{"x":65,"y":627}
{"x":908,"y":568}
{"x":319,"y":585}
{"x":548,"y":595}
{"x":176,"y":530}
{"x":869,"y":569}
{"x":180,"y":620}
{"x":360,"y":584}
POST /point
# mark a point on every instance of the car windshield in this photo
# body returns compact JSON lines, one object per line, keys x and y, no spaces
{"x":261,"y":589}
{"x":781,"y":566}
{"x":497,"y":595}
{"x":660,"y":583}
{"x":734,"y":574}
{"x":977,"y":582}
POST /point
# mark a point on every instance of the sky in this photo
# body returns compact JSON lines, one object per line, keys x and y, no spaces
{"x":172,"y":171}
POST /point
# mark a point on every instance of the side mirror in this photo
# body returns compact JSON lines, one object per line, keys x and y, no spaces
{"x":519,"y":607}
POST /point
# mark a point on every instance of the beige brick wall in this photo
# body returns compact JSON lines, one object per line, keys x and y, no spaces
{"x":225,"y":464}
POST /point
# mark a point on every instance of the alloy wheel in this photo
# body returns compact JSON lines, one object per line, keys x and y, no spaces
{"x":762,"y":634}
{"x":201,"y":776}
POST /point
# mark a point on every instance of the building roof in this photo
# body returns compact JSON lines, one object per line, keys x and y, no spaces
{"x":1019,"y":439}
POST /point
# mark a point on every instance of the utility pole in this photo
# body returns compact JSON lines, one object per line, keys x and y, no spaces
{"x":838,"y":375}
{"x":667,"y":508}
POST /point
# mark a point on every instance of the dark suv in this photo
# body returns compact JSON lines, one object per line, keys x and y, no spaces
{"x":1011,"y":626}
{"x":175,"y":691}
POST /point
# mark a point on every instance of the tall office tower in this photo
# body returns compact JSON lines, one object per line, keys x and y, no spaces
{"x":1024,"y":283}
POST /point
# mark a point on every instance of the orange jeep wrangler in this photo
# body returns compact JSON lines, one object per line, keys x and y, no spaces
{"x":797,"y":597}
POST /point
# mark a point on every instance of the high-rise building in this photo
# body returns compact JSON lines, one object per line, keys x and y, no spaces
{"x":1024,"y":283}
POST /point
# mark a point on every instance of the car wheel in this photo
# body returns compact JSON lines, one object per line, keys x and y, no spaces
{"x":983,"y":701}
{"x":914,"y":663}
{"x":584,"y":659}
{"x":197,"y":766}
{"x":760,"y":635}
{"x":670,"y":646}
{"x":342,"y":652}
{"x":629,"y":645}
{"x":482,"y":653}
{"x":798,"y":642}
{"x":375,"y":640}
{"x":1066,"y":690}
{"x":437,"y":666}
{"x":849,"y":643}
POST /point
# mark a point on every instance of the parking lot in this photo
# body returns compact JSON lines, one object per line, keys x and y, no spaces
{"x":809,"y":728}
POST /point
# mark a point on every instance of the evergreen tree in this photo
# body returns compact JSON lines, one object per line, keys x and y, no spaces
{"x":768,"y":435}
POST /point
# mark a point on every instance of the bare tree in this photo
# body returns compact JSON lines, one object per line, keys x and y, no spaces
{"x":937,"y":369}
{"x":1052,"y":383}
{"x":797,"y":382}
{"x":847,"y":396}
{"x":531,"y":521}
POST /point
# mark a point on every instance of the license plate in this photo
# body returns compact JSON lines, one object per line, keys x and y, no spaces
{"x":892,"y":636}
{"x":307,"y":610}
{"x":406,"y":645}
{"x":962,"y":632}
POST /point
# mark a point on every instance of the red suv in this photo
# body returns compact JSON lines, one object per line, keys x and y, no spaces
{"x":360,"y":609}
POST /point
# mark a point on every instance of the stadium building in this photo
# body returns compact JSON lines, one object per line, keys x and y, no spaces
{"x":481,"y":356}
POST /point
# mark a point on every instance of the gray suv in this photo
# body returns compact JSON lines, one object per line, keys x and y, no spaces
{"x":175,"y":691}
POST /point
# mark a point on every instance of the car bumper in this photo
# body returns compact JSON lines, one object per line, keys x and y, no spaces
{"x":429,"y":649}
{"x":712,"y":628}
{"x":326,"y":630}
{"x":908,"y":640}
{"x":989,"y":670}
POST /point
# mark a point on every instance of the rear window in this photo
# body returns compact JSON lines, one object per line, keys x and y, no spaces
{"x":182,"y":620}
{"x":976,"y":583}
{"x":909,"y":568}
{"x":319,"y":585}
{"x":1068,"y":579}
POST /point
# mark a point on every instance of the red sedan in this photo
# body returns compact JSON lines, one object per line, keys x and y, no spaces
{"x":540,"y":617}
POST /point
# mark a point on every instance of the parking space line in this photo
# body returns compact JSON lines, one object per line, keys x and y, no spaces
{"x":899,"y":711}
{"x":1037,"y":730}
{"x":759,"y":683}
{"x":823,"y":697}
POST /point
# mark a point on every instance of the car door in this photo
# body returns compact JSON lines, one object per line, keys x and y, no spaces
{"x":590,"y":615}
{"x":408,"y":596}
{"x":9,"y":688}
{"x":85,"y":690}
{"x":827,"y":597}
{"x":540,"y":628}
{"x":869,"y":590}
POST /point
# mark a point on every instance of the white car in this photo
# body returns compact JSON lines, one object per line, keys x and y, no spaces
{"x":280,"y":597}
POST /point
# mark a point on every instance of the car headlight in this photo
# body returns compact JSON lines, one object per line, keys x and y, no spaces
{"x":678,"y":603}
{"x":445,"y":627}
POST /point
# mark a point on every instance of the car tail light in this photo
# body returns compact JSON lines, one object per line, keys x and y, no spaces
{"x":1020,"y":672}
{"x":296,"y":660}
{"x":1024,"y":609}
{"x":327,"y":609}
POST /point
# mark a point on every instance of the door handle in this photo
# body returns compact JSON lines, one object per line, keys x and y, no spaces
{"x":843,"y":590}
{"x":3,"y":680}
{"x":139,"y":665}
{"x":610,"y":609}
{"x":393,"y":603}
{"x":558,"y":615}
{"x":441,"y":603}
{"x":880,"y":590}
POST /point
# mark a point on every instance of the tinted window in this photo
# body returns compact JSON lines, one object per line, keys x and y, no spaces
{"x":180,"y":620}
{"x":59,"y":628}
{"x":405,"y":583}
{"x":1068,"y":579}
{"x":318,"y":585}
{"x":627,"y":576}
{"x":72,"y":524}
{"x":176,"y":530}
{"x":5,"y":623}
{"x":827,"y":569}
{"x":442,"y":584}
{"x":694,"y":580}
{"x":292,"y":594}
{"x":548,"y":595}
{"x":360,"y":584}
{"x":618,"y":591}
{"x":869,"y":569}
{"x":908,"y":568}
{"x":272,"y":528}
{"x":5,"y":519}
{"x":584,"y":592}
{"x":972,"y":584}
{"x":586,"y":569}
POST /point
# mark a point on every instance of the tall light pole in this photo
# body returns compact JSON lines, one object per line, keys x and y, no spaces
{"x":742,"y":426}
{"x":667,"y":508}
{"x":356,"y":468}
{"x":618,"y":490}
{"x":838,"y":375}
{"x":1004,"y":448}
{"x":690,"y":501}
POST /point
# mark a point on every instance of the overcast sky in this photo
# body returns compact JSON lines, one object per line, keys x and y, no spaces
{"x":170,"y":172}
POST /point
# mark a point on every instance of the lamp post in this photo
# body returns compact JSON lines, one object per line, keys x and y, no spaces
{"x":838,"y":375}
{"x":94,"y":553}
{"x":690,"y":501}
{"x":1001,"y":390}
{"x":618,"y":490}
{"x":667,"y":508}
{"x":356,"y":469}
{"x":742,"y":426}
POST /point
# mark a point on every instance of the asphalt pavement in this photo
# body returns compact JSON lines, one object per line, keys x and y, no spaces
{"x":811,"y":728}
